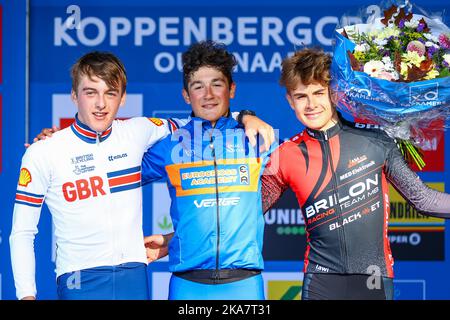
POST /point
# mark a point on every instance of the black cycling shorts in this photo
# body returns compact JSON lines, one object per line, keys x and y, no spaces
{"x":326,"y":286}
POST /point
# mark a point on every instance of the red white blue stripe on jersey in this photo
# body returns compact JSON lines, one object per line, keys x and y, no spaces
{"x":29,"y":199}
{"x":86,"y":134}
{"x":126,"y":179}
{"x":173,"y":125}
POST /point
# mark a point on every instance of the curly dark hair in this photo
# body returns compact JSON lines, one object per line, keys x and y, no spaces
{"x":207,"y":54}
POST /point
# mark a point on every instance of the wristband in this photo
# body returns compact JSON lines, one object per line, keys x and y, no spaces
{"x":243,"y":113}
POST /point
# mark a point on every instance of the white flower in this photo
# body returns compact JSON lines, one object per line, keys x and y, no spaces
{"x":431,"y":44}
{"x":373,"y":67}
{"x":381,"y":69}
{"x":395,"y":75}
{"x":385,"y":33}
{"x":430,"y":37}
{"x":446,"y":58}
{"x":388,"y":65}
{"x":380,"y":42}
{"x":412,"y":24}
{"x":362,"y":47}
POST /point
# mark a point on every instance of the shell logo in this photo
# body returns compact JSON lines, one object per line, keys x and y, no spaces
{"x":25,"y":177}
{"x":156,"y":121}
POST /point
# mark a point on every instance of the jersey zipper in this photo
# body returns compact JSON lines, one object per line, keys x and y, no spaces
{"x":213,"y":153}
{"x":110,"y":218}
{"x":342,"y":243}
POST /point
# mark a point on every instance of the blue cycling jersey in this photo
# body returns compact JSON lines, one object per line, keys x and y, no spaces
{"x":213,"y":176}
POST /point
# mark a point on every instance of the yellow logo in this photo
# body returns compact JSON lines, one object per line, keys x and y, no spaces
{"x":284,"y":289}
{"x":25,"y":177}
{"x":156,"y":121}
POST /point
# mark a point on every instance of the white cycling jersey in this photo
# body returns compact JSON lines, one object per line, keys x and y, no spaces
{"x":92,"y":185}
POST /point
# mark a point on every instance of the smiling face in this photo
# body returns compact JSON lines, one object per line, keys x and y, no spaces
{"x":97,"y":103}
{"x":209,"y":94}
{"x":312,"y":105}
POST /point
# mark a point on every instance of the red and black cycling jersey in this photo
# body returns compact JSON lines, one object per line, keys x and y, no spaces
{"x":339,"y":177}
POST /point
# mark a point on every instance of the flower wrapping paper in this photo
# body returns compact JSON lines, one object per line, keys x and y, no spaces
{"x":402,"y":108}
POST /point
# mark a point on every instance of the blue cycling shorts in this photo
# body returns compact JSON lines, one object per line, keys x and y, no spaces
{"x":128,"y":281}
{"x":251,"y":288}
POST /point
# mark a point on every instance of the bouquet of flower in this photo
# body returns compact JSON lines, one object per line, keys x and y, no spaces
{"x":395,"y":72}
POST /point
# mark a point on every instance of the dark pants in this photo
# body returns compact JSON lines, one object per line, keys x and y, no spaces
{"x":325,"y":286}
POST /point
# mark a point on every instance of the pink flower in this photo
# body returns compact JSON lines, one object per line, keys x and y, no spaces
{"x":387,"y":76}
{"x":444,"y":41}
{"x":416,"y":46}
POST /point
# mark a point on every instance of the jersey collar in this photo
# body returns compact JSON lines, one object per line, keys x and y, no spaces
{"x":222,"y":123}
{"x":88,"y":135}
{"x":326,"y":134}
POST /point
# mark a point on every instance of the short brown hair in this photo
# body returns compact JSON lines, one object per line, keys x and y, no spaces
{"x":104,"y":65}
{"x":307,"y":66}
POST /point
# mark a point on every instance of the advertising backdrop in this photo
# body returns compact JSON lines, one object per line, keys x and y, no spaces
{"x":149,"y":37}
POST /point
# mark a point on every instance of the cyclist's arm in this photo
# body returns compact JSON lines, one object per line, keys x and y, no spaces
{"x":273,"y":183}
{"x":426,"y":200}
{"x":156,"y":246}
{"x":33,"y":183}
{"x":154,"y":161}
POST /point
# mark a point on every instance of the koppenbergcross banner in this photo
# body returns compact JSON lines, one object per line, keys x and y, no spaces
{"x":149,"y":37}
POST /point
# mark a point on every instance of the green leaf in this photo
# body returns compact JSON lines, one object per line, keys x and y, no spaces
{"x":445,"y":72}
